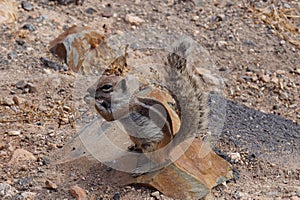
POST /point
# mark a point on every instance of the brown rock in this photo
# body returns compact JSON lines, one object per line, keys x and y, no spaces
{"x":21,"y":155}
{"x":8,"y":11}
{"x":78,"y":193}
{"x":74,"y":44}
{"x":192,"y":176}
{"x":194,"y":171}
{"x":50,"y":185}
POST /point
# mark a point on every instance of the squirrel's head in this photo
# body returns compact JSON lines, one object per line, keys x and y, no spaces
{"x":112,"y":91}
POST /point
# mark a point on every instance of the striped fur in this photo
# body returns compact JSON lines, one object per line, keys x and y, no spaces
{"x":187,"y":90}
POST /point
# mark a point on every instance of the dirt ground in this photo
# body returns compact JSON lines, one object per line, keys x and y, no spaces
{"x":254,"y":45}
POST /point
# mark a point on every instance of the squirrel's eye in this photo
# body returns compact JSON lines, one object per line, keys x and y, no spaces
{"x":106,"y":88}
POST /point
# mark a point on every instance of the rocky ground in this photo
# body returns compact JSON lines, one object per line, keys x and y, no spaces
{"x":255,"y":48}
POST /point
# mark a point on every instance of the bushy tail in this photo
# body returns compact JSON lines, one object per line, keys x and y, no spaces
{"x":188,"y":91}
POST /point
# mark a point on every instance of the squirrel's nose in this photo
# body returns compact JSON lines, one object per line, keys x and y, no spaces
{"x":92,"y":90}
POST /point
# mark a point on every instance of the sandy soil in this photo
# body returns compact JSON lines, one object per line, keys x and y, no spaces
{"x":255,"y":50}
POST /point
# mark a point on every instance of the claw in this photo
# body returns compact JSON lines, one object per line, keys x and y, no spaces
{"x":134,"y":148}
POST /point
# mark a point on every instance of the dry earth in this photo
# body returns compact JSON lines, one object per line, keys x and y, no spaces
{"x":254,"y":44}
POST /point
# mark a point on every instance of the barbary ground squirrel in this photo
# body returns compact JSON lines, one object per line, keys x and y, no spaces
{"x":146,"y":120}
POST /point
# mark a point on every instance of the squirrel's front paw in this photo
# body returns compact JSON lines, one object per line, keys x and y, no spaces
{"x":134,"y":148}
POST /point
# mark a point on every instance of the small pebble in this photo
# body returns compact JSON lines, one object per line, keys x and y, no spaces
{"x":20,"y":42}
{"x":31,"y":88}
{"x":7,"y":101}
{"x":117,"y":196}
{"x":18,"y":100}
{"x":286,"y":5}
{"x":156,"y":194}
{"x":196,"y":18}
{"x":282,"y":42}
{"x":90,"y":11}
{"x":29,"y":27}
{"x":20,"y":84}
{"x":78,"y":192}
{"x":220,"y":17}
{"x":14,"y":133}
{"x":12,"y":55}
{"x":29,"y":195}
{"x":221,"y":44}
{"x":235,"y":156}
{"x":134,"y":20}
{"x":50,"y":185}
{"x":280,"y":72}
{"x":107,"y":14}
{"x":27,"y":6}
{"x":297,"y":71}
{"x":48,"y":63}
